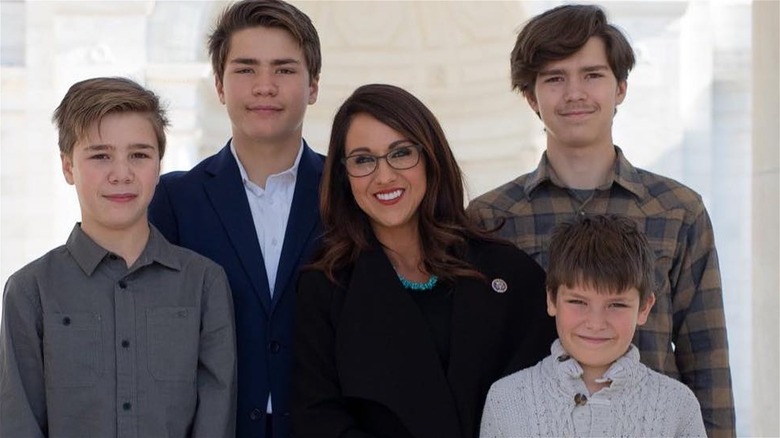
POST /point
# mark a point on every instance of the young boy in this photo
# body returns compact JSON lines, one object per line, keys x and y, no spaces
{"x":599,"y":288}
{"x":118,"y":332}
{"x":572,"y":67}
{"x":253,"y":206}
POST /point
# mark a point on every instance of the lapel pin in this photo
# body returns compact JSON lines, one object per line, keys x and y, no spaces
{"x":499,"y":285}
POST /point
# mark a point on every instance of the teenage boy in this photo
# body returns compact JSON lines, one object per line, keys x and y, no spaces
{"x":118,"y":332}
{"x":253,"y":206}
{"x":571,"y":66}
{"x":599,"y":289}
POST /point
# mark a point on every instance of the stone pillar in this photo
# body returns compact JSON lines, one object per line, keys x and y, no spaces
{"x":177,"y":69}
{"x":765,"y":223}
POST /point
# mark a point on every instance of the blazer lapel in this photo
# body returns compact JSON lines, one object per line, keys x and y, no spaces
{"x":477,"y":332}
{"x":304,"y":216}
{"x":226,"y":193}
{"x":386,"y":355}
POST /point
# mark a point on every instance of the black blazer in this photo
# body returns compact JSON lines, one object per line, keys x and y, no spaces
{"x":206,"y":210}
{"x":365,"y":362}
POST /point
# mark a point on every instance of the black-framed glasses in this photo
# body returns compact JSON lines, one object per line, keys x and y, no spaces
{"x":399,"y":158}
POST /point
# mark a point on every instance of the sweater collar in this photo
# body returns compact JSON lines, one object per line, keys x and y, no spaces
{"x":620,"y":373}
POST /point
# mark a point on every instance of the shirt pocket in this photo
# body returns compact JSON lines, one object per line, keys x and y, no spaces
{"x":173,"y":337}
{"x":72,"y":349}
{"x":666,"y":274}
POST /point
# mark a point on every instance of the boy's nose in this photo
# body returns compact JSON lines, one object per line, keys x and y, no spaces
{"x":122,"y":172}
{"x":264,"y":85}
{"x":596,"y":319}
{"x":574,"y":90}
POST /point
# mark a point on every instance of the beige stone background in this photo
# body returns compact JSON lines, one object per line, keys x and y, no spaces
{"x":702,"y":107}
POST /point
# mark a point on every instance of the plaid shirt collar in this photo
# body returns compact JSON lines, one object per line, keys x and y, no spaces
{"x":623,"y":174}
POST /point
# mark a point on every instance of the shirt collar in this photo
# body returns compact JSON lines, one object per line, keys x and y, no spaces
{"x":88,"y":254}
{"x":623,"y":174}
{"x":292,"y":171}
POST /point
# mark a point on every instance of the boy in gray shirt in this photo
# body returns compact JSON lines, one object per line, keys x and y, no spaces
{"x":118,"y":332}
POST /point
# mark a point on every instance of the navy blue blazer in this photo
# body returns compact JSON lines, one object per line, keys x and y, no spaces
{"x":206,"y":210}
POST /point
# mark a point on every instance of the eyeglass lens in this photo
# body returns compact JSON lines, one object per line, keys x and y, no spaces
{"x":400,"y":158}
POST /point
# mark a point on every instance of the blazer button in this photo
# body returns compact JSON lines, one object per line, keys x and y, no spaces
{"x":256,"y":414}
{"x":274,"y":347}
{"x":122,"y":284}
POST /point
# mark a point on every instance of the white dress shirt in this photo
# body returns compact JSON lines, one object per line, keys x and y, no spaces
{"x":270,"y":207}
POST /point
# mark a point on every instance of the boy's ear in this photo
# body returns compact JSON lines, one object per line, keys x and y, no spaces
{"x":314,"y":89}
{"x":531,"y":99}
{"x":220,"y":89}
{"x":622,"y":88}
{"x":551,"y":309}
{"x":67,"y":167}
{"x":644,"y":310}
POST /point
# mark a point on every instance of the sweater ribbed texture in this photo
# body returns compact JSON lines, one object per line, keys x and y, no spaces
{"x":543,"y":401}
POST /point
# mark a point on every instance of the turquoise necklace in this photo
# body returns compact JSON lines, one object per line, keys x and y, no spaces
{"x":418,"y":285}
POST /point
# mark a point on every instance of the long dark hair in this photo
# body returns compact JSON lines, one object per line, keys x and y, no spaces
{"x":444,"y":225}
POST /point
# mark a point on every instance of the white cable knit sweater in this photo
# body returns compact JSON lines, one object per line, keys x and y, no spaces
{"x":550,"y":399}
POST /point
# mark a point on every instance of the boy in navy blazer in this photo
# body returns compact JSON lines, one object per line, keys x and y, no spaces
{"x":252,"y":207}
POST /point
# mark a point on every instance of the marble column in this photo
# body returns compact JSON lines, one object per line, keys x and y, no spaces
{"x":765,"y":223}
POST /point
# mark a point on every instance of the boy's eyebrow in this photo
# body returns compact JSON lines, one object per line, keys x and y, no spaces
{"x":141,"y":146}
{"x":284,"y":61}
{"x":103,"y":147}
{"x":254,"y":61}
{"x":562,"y":72}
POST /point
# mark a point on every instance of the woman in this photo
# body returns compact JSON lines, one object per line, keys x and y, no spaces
{"x":410,"y":312}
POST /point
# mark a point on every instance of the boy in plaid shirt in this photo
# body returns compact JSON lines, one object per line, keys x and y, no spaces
{"x":572,"y":66}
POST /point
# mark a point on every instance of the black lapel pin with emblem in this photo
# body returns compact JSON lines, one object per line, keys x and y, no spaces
{"x":499,"y":285}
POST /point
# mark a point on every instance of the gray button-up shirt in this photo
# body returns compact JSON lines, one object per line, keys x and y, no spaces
{"x":90,"y":348}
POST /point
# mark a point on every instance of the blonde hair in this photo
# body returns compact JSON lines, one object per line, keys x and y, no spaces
{"x":88,"y":101}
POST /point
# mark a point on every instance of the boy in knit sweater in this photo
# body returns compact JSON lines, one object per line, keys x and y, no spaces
{"x":599,"y":288}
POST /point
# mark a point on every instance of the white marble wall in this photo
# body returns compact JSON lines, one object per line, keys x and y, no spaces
{"x":687,"y":114}
{"x":766,"y":218}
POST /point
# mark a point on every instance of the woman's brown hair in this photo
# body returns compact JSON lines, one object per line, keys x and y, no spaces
{"x":444,"y":226}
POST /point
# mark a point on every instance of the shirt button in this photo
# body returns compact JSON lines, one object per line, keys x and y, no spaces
{"x":580,"y":400}
{"x":274,"y":347}
{"x":256,"y":414}
{"x":582,"y":213}
{"x":66,"y":320}
{"x":122,"y":284}
{"x":126,"y":406}
{"x":125,"y":343}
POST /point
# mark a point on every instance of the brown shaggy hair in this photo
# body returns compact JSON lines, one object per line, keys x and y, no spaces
{"x":559,"y":33}
{"x":444,"y":226}
{"x":264,"y":13}
{"x":88,"y":101}
{"x":606,"y":252}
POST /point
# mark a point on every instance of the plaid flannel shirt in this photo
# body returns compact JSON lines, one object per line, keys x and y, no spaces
{"x":685,"y":334}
